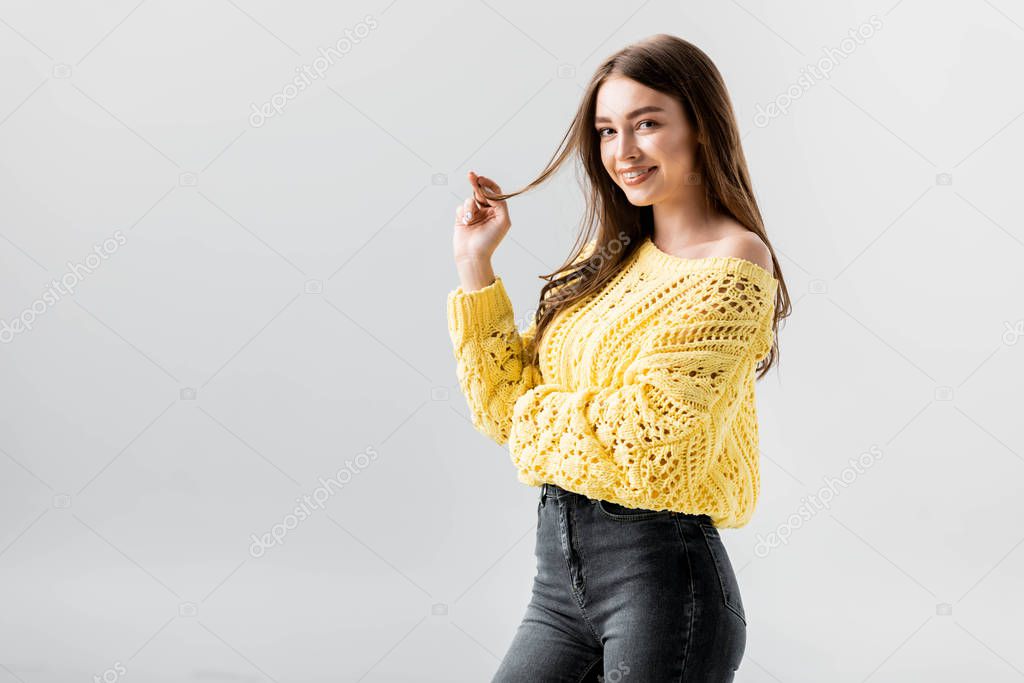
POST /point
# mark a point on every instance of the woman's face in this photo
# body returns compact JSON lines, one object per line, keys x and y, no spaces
{"x":639,"y":128}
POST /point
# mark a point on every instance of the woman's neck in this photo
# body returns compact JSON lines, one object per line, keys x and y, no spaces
{"x":684,"y":227}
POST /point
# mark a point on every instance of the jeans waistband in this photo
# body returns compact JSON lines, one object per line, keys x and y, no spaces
{"x":553,"y":491}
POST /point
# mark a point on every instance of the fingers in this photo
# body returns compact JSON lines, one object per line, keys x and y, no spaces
{"x":478,"y":194}
{"x":488,"y":183}
{"x":478,"y":182}
{"x":465,"y":212}
{"x":473,"y":208}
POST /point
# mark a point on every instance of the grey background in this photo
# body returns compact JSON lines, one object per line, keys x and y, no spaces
{"x":129,"y":503}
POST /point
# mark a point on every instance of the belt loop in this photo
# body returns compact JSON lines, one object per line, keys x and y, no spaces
{"x":543,"y":494}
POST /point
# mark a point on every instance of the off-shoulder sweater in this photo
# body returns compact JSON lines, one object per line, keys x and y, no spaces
{"x":644,"y":394}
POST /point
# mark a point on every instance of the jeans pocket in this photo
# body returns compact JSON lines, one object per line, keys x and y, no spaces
{"x":626,"y":514}
{"x":724,"y":569}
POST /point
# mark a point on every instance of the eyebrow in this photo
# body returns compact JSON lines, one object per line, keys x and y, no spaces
{"x":632,"y":114}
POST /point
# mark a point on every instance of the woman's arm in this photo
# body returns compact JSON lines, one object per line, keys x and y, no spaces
{"x":474,"y":273}
{"x":491,"y":356}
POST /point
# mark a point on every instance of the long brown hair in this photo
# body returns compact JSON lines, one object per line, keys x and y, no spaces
{"x":673,"y":66}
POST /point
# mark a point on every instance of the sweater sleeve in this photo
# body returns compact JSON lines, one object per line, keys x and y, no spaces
{"x":491,"y":356}
{"x":663,"y":426}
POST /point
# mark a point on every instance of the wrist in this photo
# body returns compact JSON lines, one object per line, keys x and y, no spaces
{"x":474,"y":273}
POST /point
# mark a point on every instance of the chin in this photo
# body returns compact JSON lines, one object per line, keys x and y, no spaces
{"x":640,"y":198}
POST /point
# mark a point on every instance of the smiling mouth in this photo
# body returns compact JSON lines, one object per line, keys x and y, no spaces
{"x":637,"y":179}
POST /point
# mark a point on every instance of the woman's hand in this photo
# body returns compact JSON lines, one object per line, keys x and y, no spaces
{"x":480,"y":223}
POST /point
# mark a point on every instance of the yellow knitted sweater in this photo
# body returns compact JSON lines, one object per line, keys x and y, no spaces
{"x":644,"y":394}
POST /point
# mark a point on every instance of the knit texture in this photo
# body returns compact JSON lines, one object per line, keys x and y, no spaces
{"x":644,"y":394}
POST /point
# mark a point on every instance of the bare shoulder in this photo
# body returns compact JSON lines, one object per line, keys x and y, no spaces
{"x":744,"y":244}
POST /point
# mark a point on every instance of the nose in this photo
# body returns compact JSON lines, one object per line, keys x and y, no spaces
{"x":626,"y":149}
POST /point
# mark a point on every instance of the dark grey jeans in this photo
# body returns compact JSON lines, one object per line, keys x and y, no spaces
{"x":624,"y":595}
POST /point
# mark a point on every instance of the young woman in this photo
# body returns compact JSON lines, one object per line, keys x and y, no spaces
{"x":629,"y":399}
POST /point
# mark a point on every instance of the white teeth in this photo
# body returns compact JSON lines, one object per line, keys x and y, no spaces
{"x":634,"y":174}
